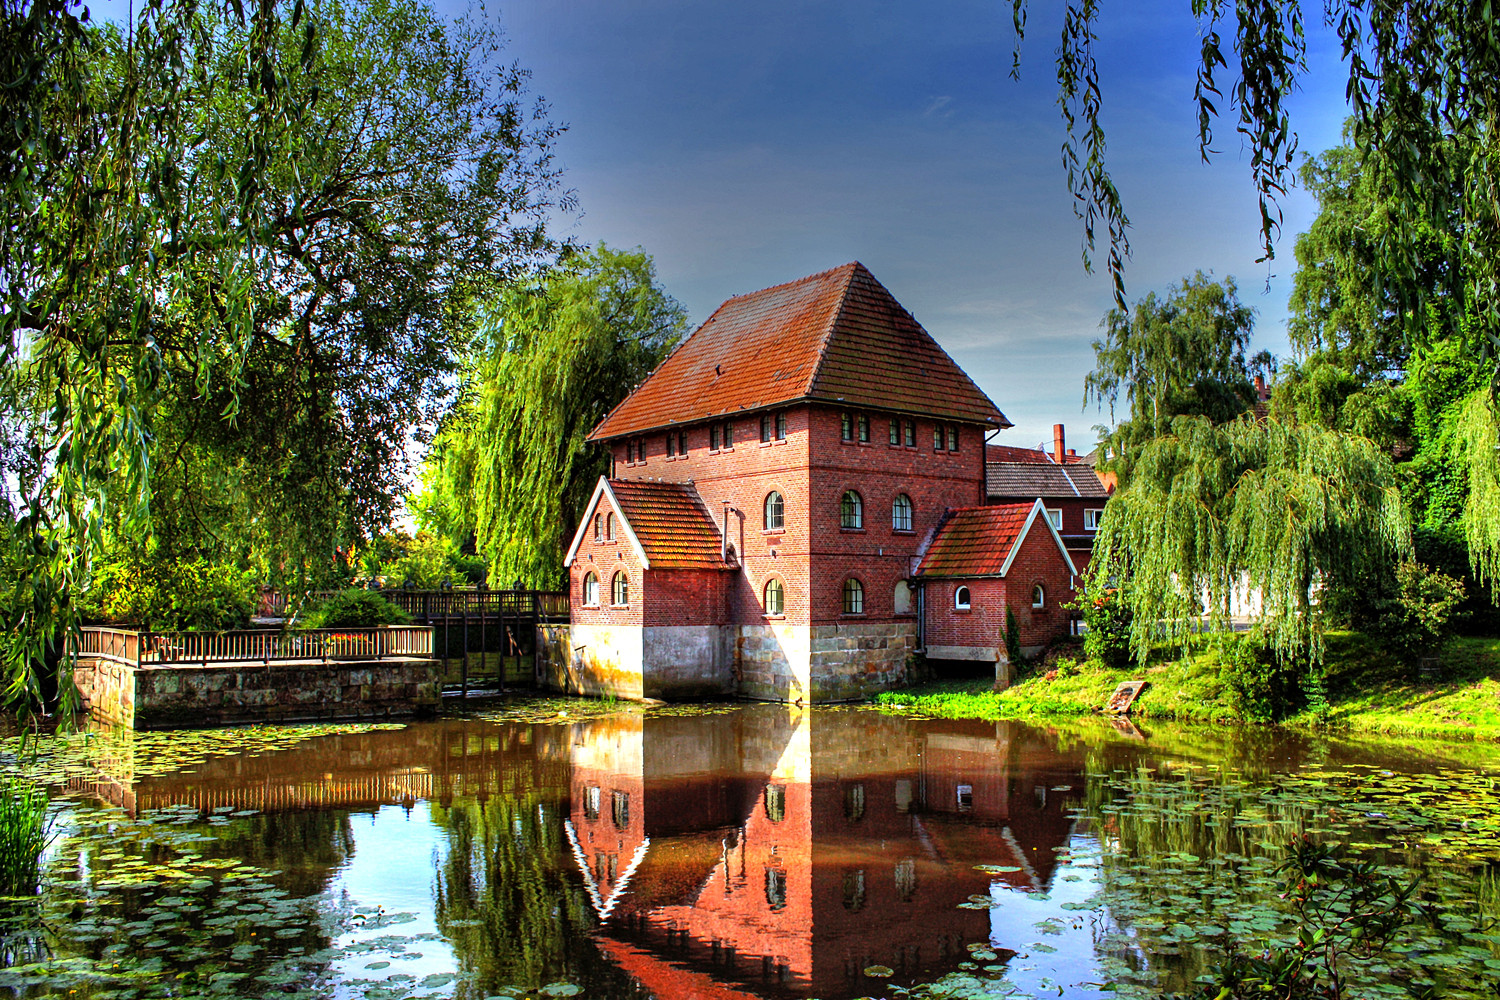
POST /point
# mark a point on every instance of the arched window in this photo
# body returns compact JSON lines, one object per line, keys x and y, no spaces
{"x":1038,"y":596}
{"x":775,"y":597}
{"x":591,"y":589}
{"x":609,"y":527}
{"x":851,"y":511}
{"x":619,"y":588}
{"x":854,"y":597}
{"x":901,"y":598}
{"x":901,"y":512}
{"x":775,"y":511}
{"x":598,"y":527}
{"x":961,"y":598}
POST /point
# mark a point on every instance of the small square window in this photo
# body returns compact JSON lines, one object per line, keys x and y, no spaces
{"x":1091,"y":518}
{"x":1054,"y":514}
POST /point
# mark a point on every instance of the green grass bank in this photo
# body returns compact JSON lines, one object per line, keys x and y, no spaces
{"x":1367,"y":689}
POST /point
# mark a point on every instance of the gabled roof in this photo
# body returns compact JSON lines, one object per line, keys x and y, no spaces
{"x":983,"y":541}
{"x":1012,"y":453}
{"x":836,"y":337}
{"x":666,"y":523}
{"x":1050,"y":481}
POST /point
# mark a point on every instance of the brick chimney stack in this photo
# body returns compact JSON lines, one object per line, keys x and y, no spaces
{"x":1057,"y":443}
{"x":1260,"y":389}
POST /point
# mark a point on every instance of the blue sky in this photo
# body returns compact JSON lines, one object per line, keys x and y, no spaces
{"x":744,"y":145}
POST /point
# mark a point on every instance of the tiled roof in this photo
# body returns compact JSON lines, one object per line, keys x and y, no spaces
{"x":670,"y":522}
{"x":1011,"y":453}
{"x":838,"y":336}
{"x":975,"y":541}
{"x":1028,"y":480}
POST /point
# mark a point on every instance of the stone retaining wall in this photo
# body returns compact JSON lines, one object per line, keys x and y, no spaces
{"x":185,"y":696}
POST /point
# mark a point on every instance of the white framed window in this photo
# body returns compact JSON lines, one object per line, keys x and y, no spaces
{"x":854,"y":597}
{"x":775,"y":597}
{"x":1038,"y":596}
{"x":961,"y":599}
{"x":620,"y":589}
{"x":591,"y":589}
{"x":901,"y":513}
{"x":1054,"y":514}
{"x":1091,"y":517}
{"x":851,"y":511}
{"x":775,"y":511}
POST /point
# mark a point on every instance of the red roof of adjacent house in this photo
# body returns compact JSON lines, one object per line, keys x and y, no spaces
{"x":975,"y":541}
{"x":1011,"y":453}
{"x":836,"y":337}
{"x":671,"y":523}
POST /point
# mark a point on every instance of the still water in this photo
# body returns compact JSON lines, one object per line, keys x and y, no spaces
{"x":757,"y":851}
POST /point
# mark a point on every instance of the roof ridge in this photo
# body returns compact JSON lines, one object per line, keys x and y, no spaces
{"x":833,"y":324}
{"x":795,"y":281}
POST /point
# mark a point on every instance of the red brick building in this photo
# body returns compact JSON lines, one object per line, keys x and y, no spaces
{"x":1072,"y":491}
{"x":775,"y":483}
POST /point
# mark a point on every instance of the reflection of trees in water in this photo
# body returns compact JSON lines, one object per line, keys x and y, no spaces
{"x":305,"y":847}
{"x":504,"y":900}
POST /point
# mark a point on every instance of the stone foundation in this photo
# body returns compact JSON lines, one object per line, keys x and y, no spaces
{"x":184,"y":696}
{"x":770,"y":662}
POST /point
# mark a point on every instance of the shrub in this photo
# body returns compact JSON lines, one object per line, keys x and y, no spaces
{"x":1108,"y":619}
{"x":171,"y":595}
{"x":1262,"y":689}
{"x":23,"y":835}
{"x":1012,"y":637}
{"x":1418,"y":619}
{"x":355,"y":609}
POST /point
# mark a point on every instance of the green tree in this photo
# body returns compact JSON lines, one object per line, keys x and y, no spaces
{"x":230,"y":248}
{"x":1216,"y":512}
{"x":1181,"y":354}
{"x":560,"y":354}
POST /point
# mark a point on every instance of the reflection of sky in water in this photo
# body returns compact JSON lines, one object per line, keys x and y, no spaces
{"x":1031,"y":924}
{"x":390,"y":867}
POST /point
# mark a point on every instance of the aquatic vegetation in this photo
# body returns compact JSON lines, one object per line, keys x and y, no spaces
{"x":23,"y":835}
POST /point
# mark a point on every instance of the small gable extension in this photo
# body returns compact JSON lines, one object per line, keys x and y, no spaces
{"x":666,"y":523}
{"x":977,"y":542}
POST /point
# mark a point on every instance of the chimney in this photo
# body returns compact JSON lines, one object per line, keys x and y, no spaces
{"x":1072,"y":453}
{"x":1057,"y":443}
{"x":1260,"y":388}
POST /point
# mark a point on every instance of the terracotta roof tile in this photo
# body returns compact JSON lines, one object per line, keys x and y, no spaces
{"x":1011,"y":453}
{"x":1029,"y":480}
{"x":670,"y":522}
{"x":975,"y":541}
{"x":834,"y":336}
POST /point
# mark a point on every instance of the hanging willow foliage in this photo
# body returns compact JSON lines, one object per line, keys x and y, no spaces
{"x":563,"y":353}
{"x":1477,"y":439}
{"x":1256,"y":510}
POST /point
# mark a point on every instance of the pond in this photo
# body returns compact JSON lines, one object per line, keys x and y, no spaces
{"x":754,"y":851}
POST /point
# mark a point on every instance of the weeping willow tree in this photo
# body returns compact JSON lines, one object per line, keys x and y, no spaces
{"x":1479,"y":448}
{"x":561,"y":354}
{"x":1216,"y":513}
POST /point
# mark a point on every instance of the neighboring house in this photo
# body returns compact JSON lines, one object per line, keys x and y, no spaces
{"x":774,"y":484}
{"x":983,"y":563}
{"x":1065,"y":482}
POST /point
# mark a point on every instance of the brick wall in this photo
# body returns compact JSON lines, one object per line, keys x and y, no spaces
{"x":606,"y":558}
{"x":685,"y":596}
{"x":1038,"y":562}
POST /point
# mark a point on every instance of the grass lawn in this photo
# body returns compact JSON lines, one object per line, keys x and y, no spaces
{"x":1369,"y":690}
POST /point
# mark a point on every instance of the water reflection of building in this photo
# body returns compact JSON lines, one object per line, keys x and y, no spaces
{"x":793,"y":852}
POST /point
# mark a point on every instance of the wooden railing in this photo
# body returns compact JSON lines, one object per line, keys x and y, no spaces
{"x":426,"y":605}
{"x":256,"y":645}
